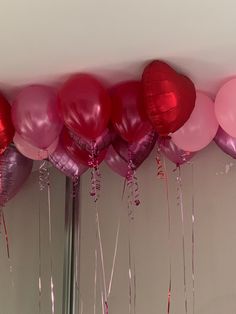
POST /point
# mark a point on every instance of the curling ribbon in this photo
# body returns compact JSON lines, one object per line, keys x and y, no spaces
{"x":95,"y":175}
{"x":132,"y":183}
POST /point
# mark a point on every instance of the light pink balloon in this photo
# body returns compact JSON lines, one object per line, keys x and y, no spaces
{"x":225,"y":107}
{"x":201,"y":127}
{"x":31,"y":151}
{"x":35,"y":115}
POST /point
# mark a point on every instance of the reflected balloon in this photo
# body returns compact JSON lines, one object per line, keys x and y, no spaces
{"x":63,"y":162}
{"x":14,"y":170}
{"x":138,"y":151}
{"x":31,"y":151}
{"x":116,"y":162}
{"x":173,"y":152}
{"x":226,"y":142}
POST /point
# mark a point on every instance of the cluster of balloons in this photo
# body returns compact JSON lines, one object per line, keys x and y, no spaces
{"x":84,"y":122}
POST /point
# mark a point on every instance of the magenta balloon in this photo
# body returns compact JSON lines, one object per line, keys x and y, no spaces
{"x":32,"y":152}
{"x":173,"y":152}
{"x":226,"y":142}
{"x":63,"y":162}
{"x":116,"y":163}
{"x":35,"y":115}
{"x":139,"y":150}
{"x":15,"y":169}
{"x":99,"y":144}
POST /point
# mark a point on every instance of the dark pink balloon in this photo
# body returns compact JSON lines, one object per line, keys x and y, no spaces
{"x":35,"y":115}
{"x":63,"y":162}
{"x":116,"y":163}
{"x":14,"y":171}
{"x":226,"y":142}
{"x":138,"y":150}
{"x":173,"y":152}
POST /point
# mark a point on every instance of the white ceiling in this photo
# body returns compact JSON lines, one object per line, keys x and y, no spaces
{"x":44,"y":40}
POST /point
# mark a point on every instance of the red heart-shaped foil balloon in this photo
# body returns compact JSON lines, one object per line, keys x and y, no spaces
{"x":169,"y":97}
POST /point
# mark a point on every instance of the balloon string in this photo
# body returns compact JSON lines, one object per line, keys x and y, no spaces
{"x":95,"y":281}
{"x":101,"y":255}
{"x":180,"y":204}
{"x":193,"y":240}
{"x":131,"y":272}
{"x":7,"y":246}
{"x":39,"y":257}
{"x":169,"y":237}
{"x":81,"y":307}
{"x":131,"y":259}
{"x":114,"y":258}
{"x":50,"y":247}
{"x":44,"y":181}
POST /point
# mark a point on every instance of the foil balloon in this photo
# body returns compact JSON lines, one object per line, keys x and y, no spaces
{"x":169,"y":97}
{"x":129,"y":117}
{"x":35,"y":116}
{"x":85,"y":106}
{"x":14,"y":170}
{"x":226,"y":142}
{"x":173,"y":152}
{"x":78,"y":154}
{"x":6,"y":126}
{"x":138,"y":151}
{"x":63,"y":162}
{"x":99,"y":144}
{"x":31,"y":151}
{"x":116,"y":162}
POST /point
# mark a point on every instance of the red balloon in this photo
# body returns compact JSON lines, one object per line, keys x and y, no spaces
{"x":129,"y":116}
{"x":6,"y":127}
{"x":85,"y":106}
{"x":77,"y":153}
{"x":169,"y":97}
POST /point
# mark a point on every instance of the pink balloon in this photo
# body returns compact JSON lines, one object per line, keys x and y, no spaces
{"x":225,"y":108}
{"x":116,"y":162}
{"x":35,"y":116}
{"x":201,"y":127}
{"x":31,"y":151}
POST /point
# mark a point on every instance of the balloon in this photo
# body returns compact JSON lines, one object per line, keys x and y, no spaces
{"x":173,"y":152}
{"x":35,"y":116}
{"x":6,"y":126}
{"x":85,"y":106}
{"x":129,"y":117}
{"x":14,"y":169}
{"x":138,"y":150}
{"x":32,"y":152}
{"x":225,"y":108}
{"x":169,"y":97}
{"x":201,"y":127}
{"x":76,"y":153}
{"x":62,"y":161}
{"x":116,"y":163}
{"x":99,"y":144}
{"x":226,"y":142}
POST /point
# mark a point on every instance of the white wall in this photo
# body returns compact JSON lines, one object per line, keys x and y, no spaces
{"x":215,"y":200}
{"x":22,"y":221}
